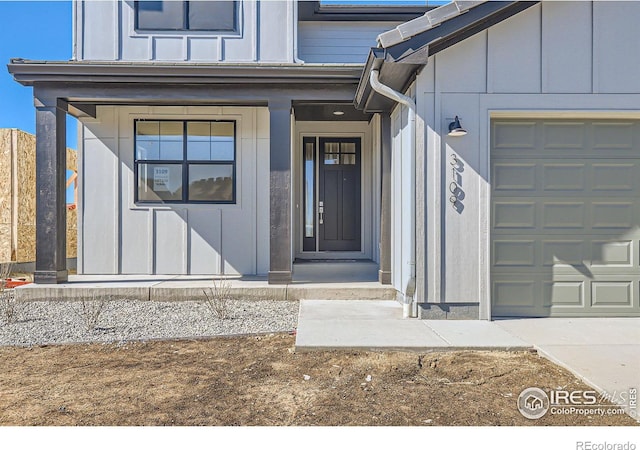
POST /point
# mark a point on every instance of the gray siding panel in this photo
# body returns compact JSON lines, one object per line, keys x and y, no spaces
{"x":341,"y":42}
{"x":99,"y":220}
{"x":107,"y":32}
{"x":99,"y":30}
{"x":180,"y":239}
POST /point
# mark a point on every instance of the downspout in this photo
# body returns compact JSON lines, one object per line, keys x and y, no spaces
{"x":410,"y":306}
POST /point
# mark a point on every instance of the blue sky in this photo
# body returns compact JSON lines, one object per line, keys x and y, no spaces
{"x":31,"y":30}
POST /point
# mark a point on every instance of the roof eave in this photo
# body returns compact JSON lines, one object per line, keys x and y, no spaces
{"x":410,"y":55}
{"x":29,"y":72}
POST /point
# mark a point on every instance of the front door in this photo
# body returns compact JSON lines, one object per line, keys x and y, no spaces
{"x":339,"y":194}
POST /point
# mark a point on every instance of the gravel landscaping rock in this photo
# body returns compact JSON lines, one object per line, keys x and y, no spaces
{"x":59,"y":322}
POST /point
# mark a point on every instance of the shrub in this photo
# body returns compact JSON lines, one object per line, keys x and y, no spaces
{"x":218,"y":298}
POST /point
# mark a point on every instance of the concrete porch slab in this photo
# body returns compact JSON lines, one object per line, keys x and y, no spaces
{"x":373,"y":325}
{"x":180,"y":288}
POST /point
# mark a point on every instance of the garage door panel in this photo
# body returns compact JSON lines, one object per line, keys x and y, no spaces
{"x":608,"y":253}
{"x":614,"y":177}
{"x":613,"y":135}
{"x":514,"y":177}
{"x":563,"y":215}
{"x":565,"y":218}
{"x":514,"y":214}
{"x":612,"y":215}
{"x":565,"y":252}
{"x":563,"y":294}
{"x":518,"y":293}
{"x":563,"y":135}
{"x":563,"y":177}
{"x":514,"y":135}
{"x":508,"y":253}
{"x":612,"y":293}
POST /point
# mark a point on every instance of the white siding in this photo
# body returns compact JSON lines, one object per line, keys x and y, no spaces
{"x":401,"y":169}
{"x":198,"y":239}
{"x":539,"y":63}
{"x":340,"y":42}
{"x":106,"y":32}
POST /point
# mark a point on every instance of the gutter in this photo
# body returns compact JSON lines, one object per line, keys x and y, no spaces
{"x":410,"y":306}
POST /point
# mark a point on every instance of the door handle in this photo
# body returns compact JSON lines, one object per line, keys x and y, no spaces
{"x":321,"y":212}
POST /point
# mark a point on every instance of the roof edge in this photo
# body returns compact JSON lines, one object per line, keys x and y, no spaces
{"x":399,"y":63}
{"x":27,"y":72}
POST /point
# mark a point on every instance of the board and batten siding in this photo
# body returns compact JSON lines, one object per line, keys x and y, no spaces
{"x":120,"y":237}
{"x":401,"y":168}
{"x":553,"y":60}
{"x":338,"y":42}
{"x":105,"y":31}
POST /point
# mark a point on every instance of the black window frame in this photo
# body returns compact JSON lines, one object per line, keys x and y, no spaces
{"x":185,"y":21}
{"x":185,"y":162}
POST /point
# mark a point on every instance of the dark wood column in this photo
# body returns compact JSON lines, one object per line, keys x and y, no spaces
{"x":384,"y":273}
{"x":280,"y":267}
{"x":51,"y":204}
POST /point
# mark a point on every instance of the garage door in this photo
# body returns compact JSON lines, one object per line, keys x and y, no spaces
{"x":565,"y":218}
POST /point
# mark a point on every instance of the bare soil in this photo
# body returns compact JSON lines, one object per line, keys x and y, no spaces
{"x":261,"y":380}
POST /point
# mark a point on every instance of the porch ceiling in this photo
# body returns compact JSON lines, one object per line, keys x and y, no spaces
{"x":305,"y":111}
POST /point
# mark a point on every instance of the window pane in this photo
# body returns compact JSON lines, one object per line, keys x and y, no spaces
{"x":147,"y":140}
{"x":159,"y":182}
{"x":332,"y":147}
{"x":212,"y":141}
{"x":348,"y":147}
{"x":309,"y":207}
{"x":171,"y":150}
{"x":213,"y":16}
{"x":147,"y":130}
{"x":154,"y":15}
{"x":199,"y":131}
{"x":211,"y":182}
{"x":171,"y":131}
{"x":222,"y":141}
{"x":171,"y":140}
{"x":147,"y":149}
{"x":331,"y":158}
{"x":348,"y":158}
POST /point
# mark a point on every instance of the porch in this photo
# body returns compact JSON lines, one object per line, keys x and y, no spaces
{"x":339,"y":280}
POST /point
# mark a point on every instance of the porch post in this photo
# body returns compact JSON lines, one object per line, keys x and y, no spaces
{"x":51,"y":208}
{"x":384,"y":273}
{"x":280,"y":191}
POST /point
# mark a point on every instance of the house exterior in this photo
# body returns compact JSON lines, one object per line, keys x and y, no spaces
{"x":237,"y":137}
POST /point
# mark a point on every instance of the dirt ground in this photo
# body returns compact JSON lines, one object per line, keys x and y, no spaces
{"x":260,"y":380}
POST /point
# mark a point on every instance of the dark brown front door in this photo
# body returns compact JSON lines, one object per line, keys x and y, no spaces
{"x":339,"y":194}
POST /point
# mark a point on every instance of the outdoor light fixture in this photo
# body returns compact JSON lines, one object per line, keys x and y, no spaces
{"x":338,"y":113}
{"x":455,"y":129}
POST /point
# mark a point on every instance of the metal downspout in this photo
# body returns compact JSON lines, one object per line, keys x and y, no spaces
{"x":410,"y":306}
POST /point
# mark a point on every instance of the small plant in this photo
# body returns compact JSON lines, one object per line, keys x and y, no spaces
{"x":218,"y":298}
{"x":90,"y":309}
{"x":8,"y":306}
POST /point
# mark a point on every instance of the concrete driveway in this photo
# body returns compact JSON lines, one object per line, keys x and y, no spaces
{"x":604,"y":352}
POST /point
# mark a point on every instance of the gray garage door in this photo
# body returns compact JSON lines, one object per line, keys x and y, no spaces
{"x":565,"y":218}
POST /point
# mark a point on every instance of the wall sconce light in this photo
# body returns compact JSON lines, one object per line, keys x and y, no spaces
{"x":455,"y":129}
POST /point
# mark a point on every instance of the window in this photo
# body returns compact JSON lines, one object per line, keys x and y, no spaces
{"x":186,"y":15}
{"x":185,"y":161}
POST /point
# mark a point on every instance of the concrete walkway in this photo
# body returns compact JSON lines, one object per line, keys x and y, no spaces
{"x":378,"y":325}
{"x":603,"y":352}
